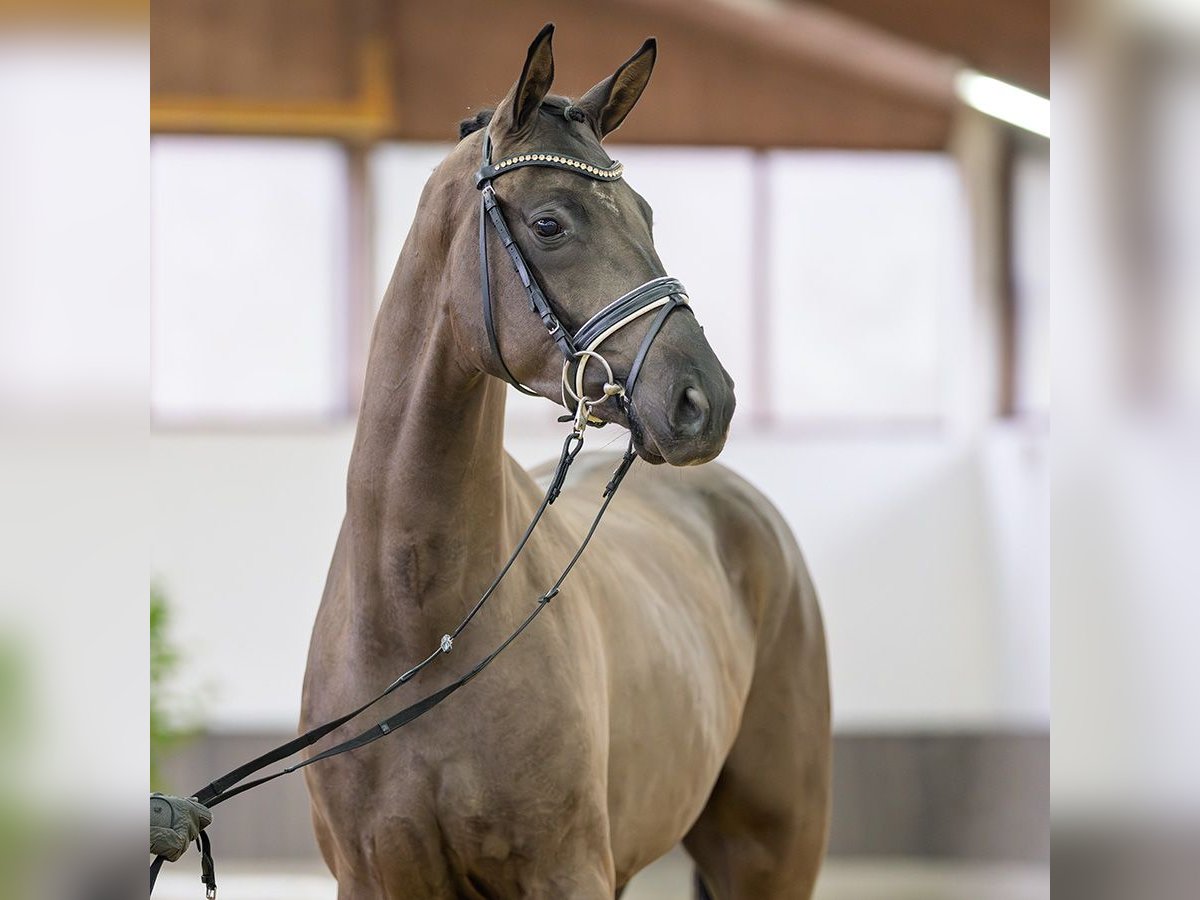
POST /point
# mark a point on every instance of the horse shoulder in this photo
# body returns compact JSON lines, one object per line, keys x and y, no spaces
{"x":752,"y":541}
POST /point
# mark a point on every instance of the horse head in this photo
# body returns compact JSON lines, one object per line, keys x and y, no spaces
{"x":586,"y":237}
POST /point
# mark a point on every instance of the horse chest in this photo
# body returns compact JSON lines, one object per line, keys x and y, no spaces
{"x":493,"y":790}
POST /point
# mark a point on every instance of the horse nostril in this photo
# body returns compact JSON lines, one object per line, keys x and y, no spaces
{"x":691,"y":412}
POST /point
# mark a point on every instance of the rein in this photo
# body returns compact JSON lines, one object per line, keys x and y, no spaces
{"x":664,"y":294}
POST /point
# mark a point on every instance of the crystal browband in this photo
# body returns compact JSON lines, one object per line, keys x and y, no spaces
{"x":554,"y":160}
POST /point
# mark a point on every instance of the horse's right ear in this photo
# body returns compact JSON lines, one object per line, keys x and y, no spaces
{"x":531,"y":88}
{"x":609,"y":102}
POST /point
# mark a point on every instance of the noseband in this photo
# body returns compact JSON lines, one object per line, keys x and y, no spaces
{"x":663,"y":293}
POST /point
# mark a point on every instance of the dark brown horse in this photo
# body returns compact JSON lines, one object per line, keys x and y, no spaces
{"x":676,"y":689}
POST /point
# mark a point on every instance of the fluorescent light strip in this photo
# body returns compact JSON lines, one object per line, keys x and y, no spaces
{"x":1004,"y":101}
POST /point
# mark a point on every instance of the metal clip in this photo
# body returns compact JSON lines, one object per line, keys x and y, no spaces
{"x":581,"y":417}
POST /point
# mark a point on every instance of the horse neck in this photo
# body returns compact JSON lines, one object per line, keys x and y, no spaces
{"x":427,"y":482}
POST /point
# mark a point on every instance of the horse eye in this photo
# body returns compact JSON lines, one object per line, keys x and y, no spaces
{"x":547,"y":227}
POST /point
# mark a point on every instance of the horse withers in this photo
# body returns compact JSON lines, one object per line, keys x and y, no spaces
{"x":676,"y":689}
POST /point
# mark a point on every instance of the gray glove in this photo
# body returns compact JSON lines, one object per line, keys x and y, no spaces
{"x":174,"y":823}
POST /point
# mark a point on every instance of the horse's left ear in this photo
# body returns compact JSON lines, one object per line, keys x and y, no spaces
{"x":533,"y":85}
{"x":610,"y":101}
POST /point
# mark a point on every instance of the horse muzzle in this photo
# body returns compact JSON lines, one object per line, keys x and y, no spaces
{"x":688,"y":424}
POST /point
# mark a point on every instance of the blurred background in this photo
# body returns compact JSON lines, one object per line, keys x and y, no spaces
{"x":871,"y":265}
{"x":881,"y":294}
{"x":878,"y":286}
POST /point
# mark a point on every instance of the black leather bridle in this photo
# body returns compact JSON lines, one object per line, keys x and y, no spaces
{"x":664,"y":293}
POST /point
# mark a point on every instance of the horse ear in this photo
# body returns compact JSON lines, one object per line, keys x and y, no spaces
{"x":610,"y":101}
{"x":533,"y":85}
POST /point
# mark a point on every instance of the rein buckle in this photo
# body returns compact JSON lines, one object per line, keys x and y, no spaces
{"x":582,"y":414}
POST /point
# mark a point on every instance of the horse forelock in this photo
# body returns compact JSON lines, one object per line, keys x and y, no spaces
{"x":559,"y":106}
{"x":474,"y":123}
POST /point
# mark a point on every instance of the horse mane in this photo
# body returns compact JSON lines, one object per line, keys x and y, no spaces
{"x":558,"y":104}
{"x":475,"y":122}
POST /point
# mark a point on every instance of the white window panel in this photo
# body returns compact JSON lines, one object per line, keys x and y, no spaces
{"x":867,"y":253}
{"x":73,"y":287}
{"x":1031,"y":276}
{"x":249,"y":278}
{"x":398,"y":175}
{"x":703,"y":231}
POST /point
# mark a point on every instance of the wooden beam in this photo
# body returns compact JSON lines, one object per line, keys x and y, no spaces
{"x":1008,"y":39}
{"x":980,"y":146}
{"x":826,"y":40}
{"x":368,"y":116}
{"x":725,"y":75}
{"x":360,"y":300}
{"x":747,"y":73}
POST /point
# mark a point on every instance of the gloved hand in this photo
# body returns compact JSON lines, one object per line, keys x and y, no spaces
{"x":174,"y":823}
